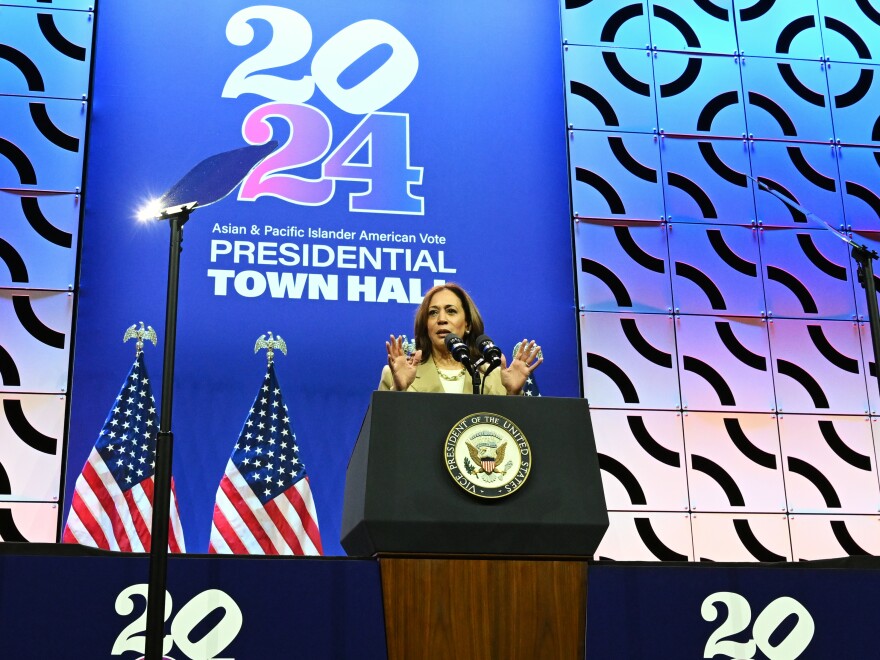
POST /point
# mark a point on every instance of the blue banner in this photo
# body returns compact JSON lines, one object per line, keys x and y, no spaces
{"x":418,"y":143}
{"x":216,"y":607}
{"x":731,"y":612}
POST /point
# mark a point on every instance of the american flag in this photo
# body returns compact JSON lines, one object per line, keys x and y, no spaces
{"x":264,"y":503}
{"x":113,"y":500}
{"x":531,"y":387}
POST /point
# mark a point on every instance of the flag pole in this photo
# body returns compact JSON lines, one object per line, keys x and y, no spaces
{"x":155,"y":633}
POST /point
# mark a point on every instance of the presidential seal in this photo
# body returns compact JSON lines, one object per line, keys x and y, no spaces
{"x":487,"y":455}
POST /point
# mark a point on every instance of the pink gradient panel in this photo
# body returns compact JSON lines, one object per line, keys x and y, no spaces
{"x":641,"y":457}
{"x":733,"y":462}
{"x":732,"y":537}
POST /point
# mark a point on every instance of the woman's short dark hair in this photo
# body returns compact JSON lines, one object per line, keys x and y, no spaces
{"x":471,"y":314}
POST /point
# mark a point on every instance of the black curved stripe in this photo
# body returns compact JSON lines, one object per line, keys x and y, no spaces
{"x":50,"y":131}
{"x":815,"y":477}
{"x":857,"y":92}
{"x":576,"y":4}
{"x":626,"y":478}
{"x":8,"y":531}
{"x":728,"y":256}
{"x":707,"y":209}
{"x":848,"y":33}
{"x":23,"y":429}
{"x":774,"y":110}
{"x":30,"y":206}
{"x":19,"y":160}
{"x":616,"y":374}
{"x":713,"y":160}
{"x":719,"y":476}
{"x":617,"y":287}
{"x":615,"y":203}
{"x":597,"y":100}
{"x":756,"y":10}
{"x":17,"y":267}
{"x":810,"y":96}
{"x":835,"y":357}
{"x":846,"y":541}
{"x":875,"y":134}
{"x":5,"y":484}
{"x":751,"y":543}
{"x":713,"y":10}
{"x":690,"y":37}
{"x":23,"y":63}
{"x":819,"y":260}
{"x":634,"y":167}
{"x":805,"y":380}
{"x":57,"y":40}
{"x":685,"y":80}
{"x":641,"y":345}
{"x":794,"y":285}
{"x":8,"y":369}
{"x":793,"y":29}
{"x":653,"y":543}
{"x":647,"y":442}
{"x":810,"y":174}
{"x":713,"y":107}
{"x":621,"y":75}
{"x":843,"y":450}
{"x":870,"y":13}
{"x":617,"y":19}
{"x":796,"y":215}
{"x":700,"y":368}
{"x":35,"y":327}
{"x":637,"y":254}
{"x":740,"y":352}
{"x":698,"y":277}
{"x":869,"y":197}
{"x":746,"y":447}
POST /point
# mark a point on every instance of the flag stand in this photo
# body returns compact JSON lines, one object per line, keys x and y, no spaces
{"x":208,"y":182}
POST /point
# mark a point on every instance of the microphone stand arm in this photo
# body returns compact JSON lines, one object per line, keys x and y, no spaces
{"x":476,"y":376}
{"x":863,"y":256}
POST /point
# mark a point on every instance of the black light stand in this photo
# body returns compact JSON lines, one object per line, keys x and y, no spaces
{"x":863,"y":256}
{"x":208,"y":182}
{"x":177,"y":217}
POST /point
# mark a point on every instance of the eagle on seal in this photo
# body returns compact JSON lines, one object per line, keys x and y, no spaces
{"x":485,"y":460}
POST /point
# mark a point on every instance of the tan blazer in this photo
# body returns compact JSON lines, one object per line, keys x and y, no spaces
{"x":427,"y":380}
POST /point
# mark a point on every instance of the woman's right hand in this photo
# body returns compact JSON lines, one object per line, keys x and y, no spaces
{"x":403,"y":368}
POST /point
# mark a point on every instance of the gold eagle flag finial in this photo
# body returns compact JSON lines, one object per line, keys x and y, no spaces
{"x":270,"y":344}
{"x":141,"y":333}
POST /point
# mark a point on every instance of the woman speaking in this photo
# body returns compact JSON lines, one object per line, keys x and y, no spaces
{"x":446,"y":315}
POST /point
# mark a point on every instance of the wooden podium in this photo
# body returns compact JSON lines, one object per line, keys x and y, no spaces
{"x":465,"y":576}
{"x":484,"y":608}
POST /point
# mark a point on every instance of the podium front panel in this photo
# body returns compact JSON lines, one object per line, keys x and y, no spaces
{"x":401,"y":497}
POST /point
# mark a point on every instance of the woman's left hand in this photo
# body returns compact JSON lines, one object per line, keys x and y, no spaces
{"x":526,"y":359}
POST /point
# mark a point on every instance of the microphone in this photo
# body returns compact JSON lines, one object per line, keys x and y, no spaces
{"x":491,"y":353}
{"x":458,"y":349}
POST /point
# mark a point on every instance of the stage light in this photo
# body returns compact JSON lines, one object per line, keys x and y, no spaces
{"x":150,"y":210}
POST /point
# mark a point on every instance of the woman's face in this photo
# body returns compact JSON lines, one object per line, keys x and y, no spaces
{"x":445,"y":315}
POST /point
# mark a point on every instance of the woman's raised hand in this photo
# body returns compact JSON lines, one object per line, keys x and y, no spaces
{"x":403,"y":367}
{"x":527,"y":358}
